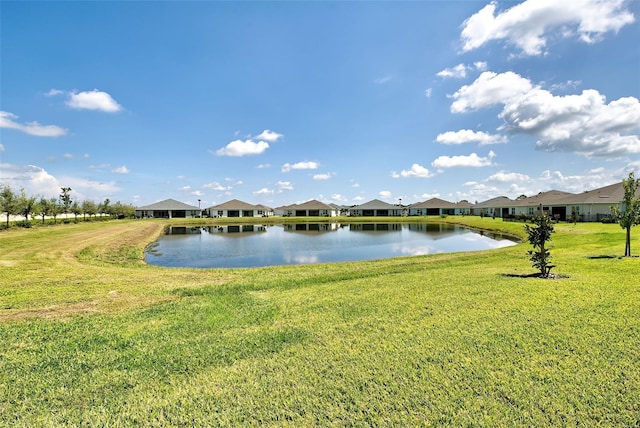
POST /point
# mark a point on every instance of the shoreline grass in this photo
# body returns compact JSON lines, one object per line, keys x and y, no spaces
{"x":90,"y":335}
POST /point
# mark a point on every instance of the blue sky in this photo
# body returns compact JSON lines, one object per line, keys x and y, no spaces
{"x":282,"y":102}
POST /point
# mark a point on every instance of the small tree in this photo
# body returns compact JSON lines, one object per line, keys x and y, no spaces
{"x":89,"y":208}
{"x":76,"y":209}
{"x":8,"y":202}
{"x":54,"y":209}
{"x":627,"y":214}
{"x":538,"y":236}
{"x":44,"y":207}
{"x":65,"y":200}
{"x":26,"y":204}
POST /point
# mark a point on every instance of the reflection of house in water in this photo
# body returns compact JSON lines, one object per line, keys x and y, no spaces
{"x":243,"y":228}
{"x":311,"y":227}
{"x":378,"y":227}
{"x":183,"y":230}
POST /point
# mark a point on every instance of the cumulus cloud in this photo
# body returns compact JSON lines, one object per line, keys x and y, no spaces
{"x":459,"y":71}
{"x":508,"y":177}
{"x":428,"y":92}
{"x":468,"y":136}
{"x":325,"y":176}
{"x":473,"y":160}
{"x":8,"y":120}
{"x":263,"y":191}
{"x":37,"y":181}
{"x":216,"y":186}
{"x":121,"y":170}
{"x":299,"y":165}
{"x":582,"y":123}
{"x":529,"y":25}
{"x":268,"y":135}
{"x":284,"y":185}
{"x":385,"y":194}
{"x":240,"y":148}
{"x":415,"y":171}
{"x":264,"y":166}
{"x":93,"y":100}
{"x":490,"y":89}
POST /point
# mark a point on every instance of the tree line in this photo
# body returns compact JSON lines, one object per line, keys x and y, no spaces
{"x":21,"y":204}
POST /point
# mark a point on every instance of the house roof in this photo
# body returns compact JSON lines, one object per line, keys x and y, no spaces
{"x":611,"y":194}
{"x":499,"y":201}
{"x":545,"y":198}
{"x":434,"y":203}
{"x":168,"y":205}
{"x":311,"y":205}
{"x":234,"y":204}
{"x":375,"y":204}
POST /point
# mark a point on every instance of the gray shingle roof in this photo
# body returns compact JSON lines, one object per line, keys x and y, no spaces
{"x":168,"y":205}
{"x":375,"y":204}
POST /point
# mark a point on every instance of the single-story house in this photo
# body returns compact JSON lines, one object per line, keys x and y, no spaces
{"x":169,"y":208}
{"x":236,"y":208}
{"x":436,"y":206}
{"x":376,"y":208}
{"x":310,"y":208}
{"x":494,"y":207}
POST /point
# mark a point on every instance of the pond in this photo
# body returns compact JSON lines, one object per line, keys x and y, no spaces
{"x":305,"y":243}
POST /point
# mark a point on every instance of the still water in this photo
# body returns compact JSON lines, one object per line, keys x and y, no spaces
{"x":259,"y":245}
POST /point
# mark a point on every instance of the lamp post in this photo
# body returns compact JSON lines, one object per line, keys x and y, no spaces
{"x":400,"y":205}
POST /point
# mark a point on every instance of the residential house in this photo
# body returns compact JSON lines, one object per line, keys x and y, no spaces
{"x":376,"y":208}
{"x":310,"y":208}
{"x":436,"y":206}
{"x":169,"y":208}
{"x":236,"y":208}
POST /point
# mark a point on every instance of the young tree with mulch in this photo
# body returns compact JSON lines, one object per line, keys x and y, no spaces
{"x":539,"y":234}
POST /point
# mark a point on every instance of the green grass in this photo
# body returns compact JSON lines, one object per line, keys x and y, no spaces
{"x":91,"y":336}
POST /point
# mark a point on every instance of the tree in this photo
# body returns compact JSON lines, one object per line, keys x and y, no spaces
{"x":627,"y":214}
{"x":26,"y":204}
{"x":104,"y":207}
{"x":538,"y":236}
{"x":76,"y":209}
{"x":54,"y":208}
{"x":521,"y":197}
{"x":8,"y":202}
{"x":90,"y":208}
{"x":44,"y":207}
{"x":65,"y":199}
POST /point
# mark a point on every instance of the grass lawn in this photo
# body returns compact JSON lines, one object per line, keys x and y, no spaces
{"x":91,"y":336}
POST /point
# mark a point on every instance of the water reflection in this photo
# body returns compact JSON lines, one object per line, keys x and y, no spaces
{"x":250,"y":245}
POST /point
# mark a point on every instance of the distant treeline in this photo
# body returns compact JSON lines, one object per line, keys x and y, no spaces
{"x":41,"y":208}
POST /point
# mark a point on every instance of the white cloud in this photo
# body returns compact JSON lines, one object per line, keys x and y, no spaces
{"x":529,"y":25}
{"x":356,"y":185}
{"x":197,"y":193}
{"x":7,"y":120}
{"x":415,"y":171}
{"x":269,"y":136}
{"x":490,"y":89}
{"x":264,"y":166}
{"x":582,"y":123}
{"x":427,"y":196}
{"x":54,"y":92}
{"x":216,"y":186}
{"x":263,"y":191}
{"x":468,"y":136}
{"x":1,"y":148}
{"x":383,"y":80}
{"x":480,"y":65}
{"x":358,"y":199}
{"x":473,"y":160}
{"x":38,"y":182}
{"x":93,"y":100}
{"x":326,"y":176}
{"x":121,"y":170}
{"x":508,"y":177}
{"x":100,"y":166}
{"x":185,"y":188}
{"x":428,"y":92}
{"x":385,"y":194}
{"x":299,"y":165}
{"x":239,"y":148}
{"x":284,"y":185}
{"x":459,"y":71}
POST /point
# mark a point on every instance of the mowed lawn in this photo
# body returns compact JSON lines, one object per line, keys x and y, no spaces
{"x":91,"y":336}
